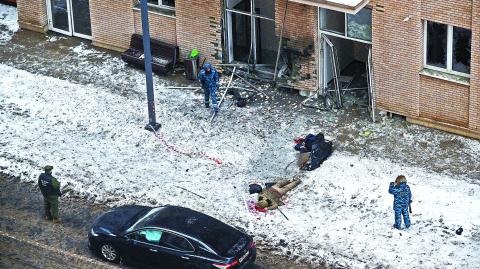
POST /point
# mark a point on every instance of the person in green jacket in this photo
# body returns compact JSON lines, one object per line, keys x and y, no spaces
{"x":50,"y":188}
{"x":271,"y":198}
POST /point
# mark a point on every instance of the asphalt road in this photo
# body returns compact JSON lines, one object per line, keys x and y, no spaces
{"x":29,"y":241}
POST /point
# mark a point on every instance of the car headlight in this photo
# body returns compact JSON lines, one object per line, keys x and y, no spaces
{"x":93,"y":233}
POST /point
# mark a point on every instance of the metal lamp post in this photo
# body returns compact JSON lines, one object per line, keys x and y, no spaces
{"x":152,"y":122}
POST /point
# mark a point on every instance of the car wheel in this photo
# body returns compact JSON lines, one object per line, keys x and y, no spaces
{"x":109,"y":253}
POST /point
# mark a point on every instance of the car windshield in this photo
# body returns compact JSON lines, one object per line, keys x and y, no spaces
{"x":145,"y":219}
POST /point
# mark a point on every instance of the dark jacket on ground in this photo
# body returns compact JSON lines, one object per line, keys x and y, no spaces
{"x":321,"y":150}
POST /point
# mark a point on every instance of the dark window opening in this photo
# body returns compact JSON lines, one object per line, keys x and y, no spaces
{"x":437,"y":37}
{"x":462,"y":39}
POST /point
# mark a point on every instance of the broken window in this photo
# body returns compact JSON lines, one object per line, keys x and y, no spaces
{"x":251,"y":31}
{"x":448,"y":47}
{"x":356,"y":26}
{"x":437,"y":44}
{"x":359,"y":26}
{"x":162,"y":3}
{"x":332,"y":21}
{"x":265,"y":8}
{"x":462,"y":39}
{"x":240,"y":5}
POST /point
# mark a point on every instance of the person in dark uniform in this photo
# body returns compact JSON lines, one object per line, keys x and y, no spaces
{"x":50,"y":188}
{"x":402,"y":197}
{"x":209,"y":78}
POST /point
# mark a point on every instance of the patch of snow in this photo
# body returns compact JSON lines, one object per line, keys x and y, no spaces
{"x":55,"y":38}
{"x":8,"y":23}
{"x":82,"y":50}
{"x":341,"y":213}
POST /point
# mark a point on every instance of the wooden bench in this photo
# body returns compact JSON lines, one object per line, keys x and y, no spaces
{"x":164,"y":55}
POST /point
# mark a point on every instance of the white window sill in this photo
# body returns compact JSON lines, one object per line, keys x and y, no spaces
{"x":166,"y":12}
{"x":445,"y":76}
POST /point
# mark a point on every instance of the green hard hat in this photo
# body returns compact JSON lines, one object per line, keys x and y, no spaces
{"x":48,"y":168}
{"x":194,"y":53}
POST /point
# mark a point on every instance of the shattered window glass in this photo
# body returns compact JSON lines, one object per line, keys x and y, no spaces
{"x":265,"y":8}
{"x":360,"y":25}
{"x":437,"y":44}
{"x":462,"y":39}
{"x":170,"y":3}
{"x":240,"y":5}
{"x":332,"y":21}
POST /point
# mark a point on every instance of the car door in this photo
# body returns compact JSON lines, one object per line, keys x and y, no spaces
{"x":179,"y":249}
{"x":143,"y":248}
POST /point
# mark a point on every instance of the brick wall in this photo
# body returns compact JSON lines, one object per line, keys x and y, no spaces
{"x":161,"y":27}
{"x":112,"y":23}
{"x":32,"y":14}
{"x":475,"y":69}
{"x":397,"y":55}
{"x":199,"y":26}
{"x":453,"y":12}
{"x":444,"y":101}
{"x":398,"y":59}
{"x":301,"y":33}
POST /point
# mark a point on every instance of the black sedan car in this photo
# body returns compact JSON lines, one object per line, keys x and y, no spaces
{"x":170,"y":237}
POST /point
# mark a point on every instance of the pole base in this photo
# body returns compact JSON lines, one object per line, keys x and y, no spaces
{"x":153,"y":127}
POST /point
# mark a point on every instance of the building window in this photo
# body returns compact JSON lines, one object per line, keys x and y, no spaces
{"x":357,"y":27}
{"x":162,"y":3}
{"x":447,"y":47}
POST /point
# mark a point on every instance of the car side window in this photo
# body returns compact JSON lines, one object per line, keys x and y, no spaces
{"x":150,"y":236}
{"x":172,"y":241}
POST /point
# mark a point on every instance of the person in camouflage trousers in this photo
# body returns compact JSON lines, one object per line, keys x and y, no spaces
{"x":50,"y":188}
{"x":271,"y":198}
{"x":402,"y":197}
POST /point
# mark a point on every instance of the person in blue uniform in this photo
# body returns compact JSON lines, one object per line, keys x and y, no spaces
{"x":209,"y":78}
{"x":402,"y":197}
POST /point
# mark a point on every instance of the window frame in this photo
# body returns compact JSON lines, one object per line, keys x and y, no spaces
{"x":159,"y":245}
{"x":449,"y":68}
{"x":161,"y":5}
{"x":345,"y":34}
{"x":180,"y":250}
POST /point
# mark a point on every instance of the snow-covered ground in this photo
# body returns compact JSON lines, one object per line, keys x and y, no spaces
{"x":340,"y":214}
{"x":8,"y":23}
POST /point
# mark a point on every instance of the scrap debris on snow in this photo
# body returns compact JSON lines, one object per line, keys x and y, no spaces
{"x":96,"y":138}
{"x":94,"y":135}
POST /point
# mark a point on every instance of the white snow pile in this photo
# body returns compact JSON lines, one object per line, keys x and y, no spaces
{"x":341,"y":213}
{"x":8,"y":23}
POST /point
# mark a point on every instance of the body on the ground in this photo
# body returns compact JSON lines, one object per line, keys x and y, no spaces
{"x":271,"y":198}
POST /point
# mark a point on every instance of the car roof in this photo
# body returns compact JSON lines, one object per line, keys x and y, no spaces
{"x":202,"y":227}
{"x":185,"y":220}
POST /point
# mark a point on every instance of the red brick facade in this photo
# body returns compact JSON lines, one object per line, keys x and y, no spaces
{"x":398,"y":53}
{"x":199,"y":26}
{"x":397,"y":45}
{"x":474,"y":114}
{"x":32,"y":15}
{"x":161,"y":27}
{"x":301,"y":34}
{"x":112,"y":23}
